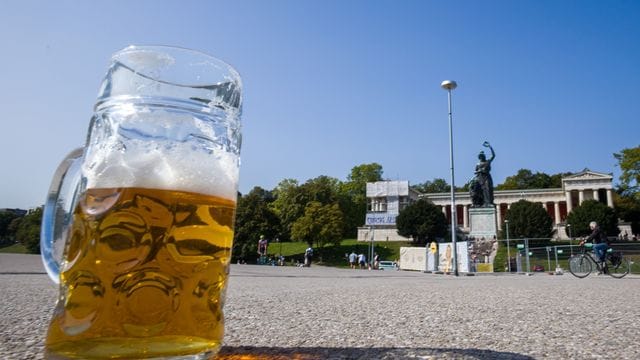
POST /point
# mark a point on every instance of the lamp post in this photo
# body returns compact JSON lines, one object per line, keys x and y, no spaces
{"x":372,"y":247}
{"x":506,"y":223}
{"x":570,"y":239}
{"x":278,"y":241}
{"x":449,"y":85}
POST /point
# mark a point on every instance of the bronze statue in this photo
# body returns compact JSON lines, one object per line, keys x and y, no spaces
{"x":481,"y":186}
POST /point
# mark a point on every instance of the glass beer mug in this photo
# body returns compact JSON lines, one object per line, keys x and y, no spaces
{"x":138,"y":224}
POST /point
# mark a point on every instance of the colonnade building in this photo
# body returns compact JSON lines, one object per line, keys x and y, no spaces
{"x":558,"y":202}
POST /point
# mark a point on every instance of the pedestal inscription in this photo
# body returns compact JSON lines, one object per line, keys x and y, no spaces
{"x":482,"y":222}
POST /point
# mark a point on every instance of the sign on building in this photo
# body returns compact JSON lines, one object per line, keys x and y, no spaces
{"x":373,"y":219}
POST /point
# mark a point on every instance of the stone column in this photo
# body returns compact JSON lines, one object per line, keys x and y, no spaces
{"x":596,"y":195}
{"x":556,"y":211}
{"x":499,"y":216}
{"x":609,"y":198}
{"x":580,"y":197}
{"x":567,"y":195}
{"x":444,"y":210}
{"x":465,"y":216}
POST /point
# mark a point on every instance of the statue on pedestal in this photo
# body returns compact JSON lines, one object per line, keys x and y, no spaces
{"x":481,"y":186}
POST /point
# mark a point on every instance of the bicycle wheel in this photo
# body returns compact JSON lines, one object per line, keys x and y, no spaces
{"x":580,"y":265}
{"x":617,"y":266}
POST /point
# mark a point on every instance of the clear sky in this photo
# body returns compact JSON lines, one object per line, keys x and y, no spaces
{"x":328,"y":85}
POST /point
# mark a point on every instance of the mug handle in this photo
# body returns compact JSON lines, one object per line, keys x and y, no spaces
{"x":58,"y":212}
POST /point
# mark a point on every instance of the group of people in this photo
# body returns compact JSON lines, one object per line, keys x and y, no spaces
{"x":598,"y":237}
{"x":263,"y":258}
{"x":625,"y":237}
{"x":360,"y":261}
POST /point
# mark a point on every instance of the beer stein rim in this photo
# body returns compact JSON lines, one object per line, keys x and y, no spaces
{"x":211,"y":61}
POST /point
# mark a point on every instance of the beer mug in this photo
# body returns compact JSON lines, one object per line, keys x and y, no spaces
{"x":138,"y":224}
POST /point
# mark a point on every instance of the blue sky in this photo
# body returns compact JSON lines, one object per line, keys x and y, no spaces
{"x":328,"y":85}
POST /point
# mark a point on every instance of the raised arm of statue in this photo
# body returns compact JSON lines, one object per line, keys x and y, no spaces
{"x":493,"y":154}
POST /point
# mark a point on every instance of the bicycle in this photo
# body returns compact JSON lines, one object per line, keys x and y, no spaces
{"x":615,"y":264}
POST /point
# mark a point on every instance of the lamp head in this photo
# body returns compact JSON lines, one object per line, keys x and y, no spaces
{"x":449,"y":85}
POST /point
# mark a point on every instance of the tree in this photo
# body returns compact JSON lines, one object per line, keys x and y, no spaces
{"x":323,"y":189}
{"x":352,"y":196}
{"x":364,"y":173}
{"x":291,"y":199}
{"x":423,"y":221}
{"x":436,"y":186}
{"x":556,"y":179}
{"x":28,"y":232}
{"x":592,"y":210}
{"x":321,"y":224}
{"x":6,"y":235}
{"x":528,"y":220}
{"x":628,"y":209}
{"x":289,"y":205}
{"x":526,"y":179}
{"x":629,"y":163}
{"x":254,"y":218}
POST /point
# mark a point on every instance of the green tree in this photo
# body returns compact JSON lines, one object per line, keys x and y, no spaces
{"x":323,"y":189}
{"x":438,"y":185}
{"x":528,"y":220}
{"x":254,"y":217}
{"x":352,"y":196}
{"x":592,"y":210}
{"x":629,"y":163}
{"x":423,"y":221}
{"x":556,"y":179}
{"x":28,"y":232}
{"x":628,"y":209}
{"x":290,"y":201}
{"x":321,"y":224}
{"x":526,"y":179}
{"x":6,"y":235}
{"x":364,"y":173}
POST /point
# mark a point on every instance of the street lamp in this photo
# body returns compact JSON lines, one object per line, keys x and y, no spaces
{"x":278,"y":241}
{"x":506,"y":223}
{"x":450,"y":85}
{"x":570,"y":239}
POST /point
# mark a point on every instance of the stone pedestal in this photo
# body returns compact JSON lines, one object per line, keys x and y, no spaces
{"x":482,"y":222}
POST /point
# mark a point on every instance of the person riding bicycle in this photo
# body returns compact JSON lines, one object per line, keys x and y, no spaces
{"x":600,"y":241}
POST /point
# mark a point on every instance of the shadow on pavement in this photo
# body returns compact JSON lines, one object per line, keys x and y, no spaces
{"x":318,"y":353}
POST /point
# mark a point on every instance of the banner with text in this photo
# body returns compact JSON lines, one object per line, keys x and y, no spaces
{"x":373,"y":219}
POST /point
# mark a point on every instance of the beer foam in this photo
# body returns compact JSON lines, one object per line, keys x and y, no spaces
{"x":180,"y":168}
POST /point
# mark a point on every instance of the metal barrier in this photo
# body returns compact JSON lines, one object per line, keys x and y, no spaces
{"x":545,"y":255}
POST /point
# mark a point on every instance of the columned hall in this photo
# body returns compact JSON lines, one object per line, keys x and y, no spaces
{"x":586,"y":185}
{"x":387,"y":198}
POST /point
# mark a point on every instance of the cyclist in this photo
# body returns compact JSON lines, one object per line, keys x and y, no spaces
{"x":600,"y":241}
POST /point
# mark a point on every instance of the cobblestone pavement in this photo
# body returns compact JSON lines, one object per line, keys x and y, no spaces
{"x":325,"y":313}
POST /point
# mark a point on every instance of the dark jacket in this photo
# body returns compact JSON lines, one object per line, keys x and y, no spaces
{"x":597,"y":236}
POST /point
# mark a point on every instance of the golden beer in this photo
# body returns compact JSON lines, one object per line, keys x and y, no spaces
{"x":144,"y":275}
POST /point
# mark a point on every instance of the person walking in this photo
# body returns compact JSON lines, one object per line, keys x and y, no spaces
{"x":362,"y":260}
{"x":263,"y":243}
{"x":308,"y":254}
{"x":352,"y":259}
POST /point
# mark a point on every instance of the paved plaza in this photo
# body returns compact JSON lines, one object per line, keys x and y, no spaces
{"x":326,"y":313}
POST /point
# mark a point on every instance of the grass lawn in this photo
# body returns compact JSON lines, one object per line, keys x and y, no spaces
{"x":336,"y":256}
{"x":332,"y":255}
{"x":15,"y":248}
